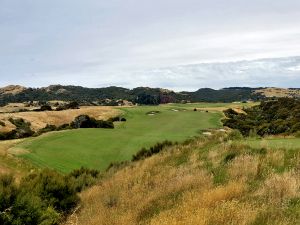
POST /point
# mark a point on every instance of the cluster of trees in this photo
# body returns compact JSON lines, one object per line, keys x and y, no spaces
{"x":281,"y":116}
{"x":42,"y":198}
{"x":224,"y":95}
{"x":84,"y":121}
{"x":47,"y":107}
{"x":23,"y":128}
{"x":140,"y":95}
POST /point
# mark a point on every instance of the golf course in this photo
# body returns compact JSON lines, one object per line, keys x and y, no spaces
{"x":97,"y":148}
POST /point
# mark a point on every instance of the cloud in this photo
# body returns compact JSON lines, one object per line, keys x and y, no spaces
{"x":170,"y":43}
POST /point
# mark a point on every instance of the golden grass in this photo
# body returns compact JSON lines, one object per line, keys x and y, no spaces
{"x":39,"y":120}
{"x":177,"y":187}
{"x":10,"y":164}
{"x":244,"y":167}
{"x":211,"y":206}
{"x":278,"y":188}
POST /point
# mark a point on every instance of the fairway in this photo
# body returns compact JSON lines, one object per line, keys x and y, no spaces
{"x":97,"y":148}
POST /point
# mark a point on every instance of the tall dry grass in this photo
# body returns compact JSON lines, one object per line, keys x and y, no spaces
{"x":178,"y":187}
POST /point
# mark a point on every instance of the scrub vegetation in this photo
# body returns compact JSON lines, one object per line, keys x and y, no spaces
{"x":209,"y":180}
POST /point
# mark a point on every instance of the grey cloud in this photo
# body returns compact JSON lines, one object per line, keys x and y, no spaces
{"x":139,"y":42}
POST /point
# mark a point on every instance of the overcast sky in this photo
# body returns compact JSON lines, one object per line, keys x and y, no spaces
{"x":177,"y":44}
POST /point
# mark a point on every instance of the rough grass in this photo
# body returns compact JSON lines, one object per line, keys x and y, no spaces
{"x":160,"y":191}
{"x":97,"y":148}
{"x":10,"y":164}
{"x":39,"y":120}
{"x":276,"y":142}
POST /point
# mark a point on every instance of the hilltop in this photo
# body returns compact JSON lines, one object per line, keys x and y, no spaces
{"x":140,"y":95}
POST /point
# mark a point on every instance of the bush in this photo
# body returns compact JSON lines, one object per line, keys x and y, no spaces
{"x":2,"y":124}
{"x":297,"y":134}
{"x":53,"y":188}
{"x":71,"y":105}
{"x":272,"y":117}
{"x":46,"y":129}
{"x":46,"y":108}
{"x":144,"y":153}
{"x":84,"y":121}
{"x":83,"y":178}
{"x":43,"y":197}
{"x":22,"y":130}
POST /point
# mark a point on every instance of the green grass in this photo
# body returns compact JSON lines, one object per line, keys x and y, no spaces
{"x":274,"y":143}
{"x":97,"y":148}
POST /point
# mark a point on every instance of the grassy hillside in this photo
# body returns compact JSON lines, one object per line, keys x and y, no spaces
{"x":97,"y":148}
{"x":39,"y":120}
{"x":210,"y":181}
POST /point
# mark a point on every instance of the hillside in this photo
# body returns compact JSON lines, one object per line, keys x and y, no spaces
{"x":279,"y":92}
{"x":39,"y":120}
{"x":210,"y":180}
{"x":111,"y":95}
{"x":273,"y":117}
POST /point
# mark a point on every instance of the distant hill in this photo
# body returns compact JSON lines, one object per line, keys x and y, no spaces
{"x":140,"y":95}
{"x":279,"y":92}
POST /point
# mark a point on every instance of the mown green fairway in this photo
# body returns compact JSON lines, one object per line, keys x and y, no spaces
{"x":97,"y":148}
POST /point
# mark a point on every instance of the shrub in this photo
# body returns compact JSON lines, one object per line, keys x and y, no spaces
{"x":144,"y":153}
{"x":71,"y":105}
{"x":84,"y":121}
{"x":297,"y":134}
{"x":64,"y":127}
{"x":53,"y":188}
{"x":22,"y":130}
{"x":43,"y":197}
{"x":83,"y":178}
{"x":46,"y":129}
{"x":46,"y":108}
{"x":272,"y":117}
{"x":2,"y":124}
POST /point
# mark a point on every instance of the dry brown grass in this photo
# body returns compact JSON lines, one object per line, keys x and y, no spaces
{"x":177,"y":187}
{"x":244,"y":167}
{"x":211,"y":206}
{"x":39,"y":120}
{"x":278,"y":188}
{"x":8,"y":163}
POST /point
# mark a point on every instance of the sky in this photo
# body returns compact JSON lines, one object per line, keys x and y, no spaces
{"x":175,"y":44}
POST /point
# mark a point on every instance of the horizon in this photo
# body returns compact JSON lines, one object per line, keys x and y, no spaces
{"x":228,"y":87}
{"x":174,"y":44}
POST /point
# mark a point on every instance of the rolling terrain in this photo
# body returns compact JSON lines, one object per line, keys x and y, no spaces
{"x":208,"y":181}
{"x":97,"y":148}
{"x":217,"y":178}
{"x":39,"y":120}
{"x":115,"y":95}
